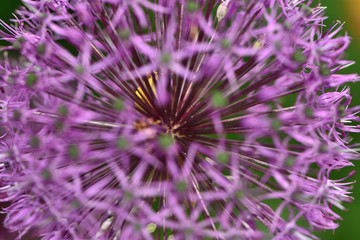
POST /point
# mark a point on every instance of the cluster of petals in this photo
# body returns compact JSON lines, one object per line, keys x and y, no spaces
{"x":174,"y":119}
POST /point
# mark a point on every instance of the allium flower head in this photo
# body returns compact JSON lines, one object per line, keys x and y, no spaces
{"x":173,"y":119}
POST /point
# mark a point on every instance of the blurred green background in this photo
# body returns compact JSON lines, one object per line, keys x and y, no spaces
{"x":345,"y":11}
{"x":348,"y":11}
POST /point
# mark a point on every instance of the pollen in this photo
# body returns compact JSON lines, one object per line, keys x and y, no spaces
{"x":140,"y":92}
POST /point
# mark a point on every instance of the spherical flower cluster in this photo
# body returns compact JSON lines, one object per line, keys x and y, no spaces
{"x":173,"y":119}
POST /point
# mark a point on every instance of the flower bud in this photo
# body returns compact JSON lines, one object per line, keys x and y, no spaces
{"x":222,"y":10}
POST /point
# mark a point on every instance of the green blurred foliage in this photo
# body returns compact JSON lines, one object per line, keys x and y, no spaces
{"x":349,"y":227}
{"x":7,"y":9}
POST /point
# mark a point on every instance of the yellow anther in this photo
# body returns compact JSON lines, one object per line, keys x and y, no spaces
{"x":140,"y":93}
{"x":151,"y":227}
{"x":258,"y":44}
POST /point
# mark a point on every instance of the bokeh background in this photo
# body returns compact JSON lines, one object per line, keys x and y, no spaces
{"x":345,"y":11}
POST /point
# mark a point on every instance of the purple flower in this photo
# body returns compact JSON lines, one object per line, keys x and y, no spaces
{"x":173,"y":119}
